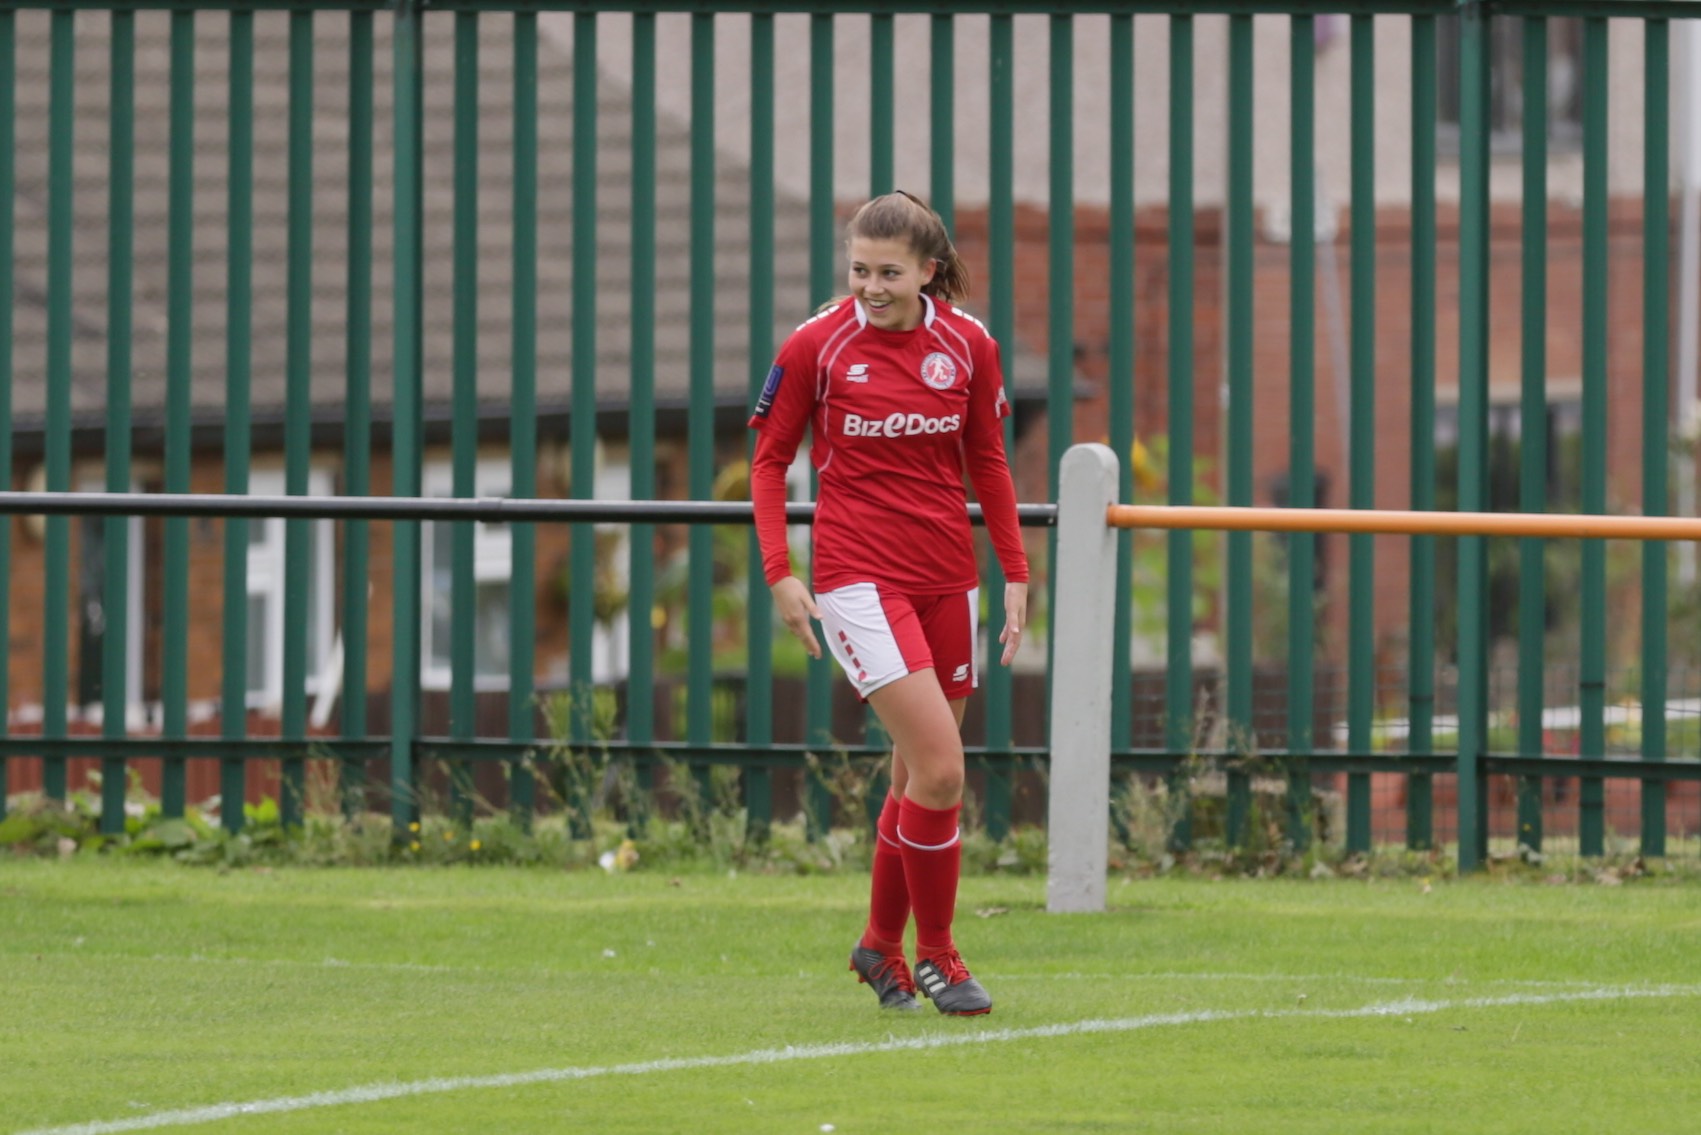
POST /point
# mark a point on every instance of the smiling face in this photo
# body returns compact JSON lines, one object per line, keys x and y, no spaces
{"x":886,"y":277}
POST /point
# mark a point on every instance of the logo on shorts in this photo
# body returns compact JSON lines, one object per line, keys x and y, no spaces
{"x":961,"y":673}
{"x":857,"y":373}
{"x":938,"y":371}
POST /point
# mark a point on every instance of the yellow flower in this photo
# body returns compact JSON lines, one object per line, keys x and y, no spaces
{"x":1146,"y":474}
{"x":414,"y":846}
{"x":475,"y":845}
{"x":413,"y":827}
{"x":449,"y":837}
{"x":626,"y":856}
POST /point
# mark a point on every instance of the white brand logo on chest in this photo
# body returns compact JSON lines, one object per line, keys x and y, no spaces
{"x":900,"y":424}
{"x":858,"y":372}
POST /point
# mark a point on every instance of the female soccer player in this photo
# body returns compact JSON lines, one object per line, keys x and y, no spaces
{"x":902,"y":393}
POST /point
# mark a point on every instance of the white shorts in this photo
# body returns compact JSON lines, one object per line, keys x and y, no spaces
{"x":879,"y":635}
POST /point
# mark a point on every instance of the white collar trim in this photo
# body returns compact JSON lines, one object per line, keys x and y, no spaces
{"x":928,"y":311}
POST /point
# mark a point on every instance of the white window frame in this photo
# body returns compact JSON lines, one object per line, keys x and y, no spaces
{"x":134,"y":614}
{"x":799,"y":537}
{"x":266,"y":580}
{"x":611,"y":649}
{"x":1505,"y":47}
{"x":493,"y":560}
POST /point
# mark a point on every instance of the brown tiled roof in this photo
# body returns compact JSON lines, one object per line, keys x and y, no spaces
{"x":267,"y":345}
{"x":268,"y":341}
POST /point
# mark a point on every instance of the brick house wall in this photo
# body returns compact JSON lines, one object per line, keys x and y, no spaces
{"x":1271,"y":341}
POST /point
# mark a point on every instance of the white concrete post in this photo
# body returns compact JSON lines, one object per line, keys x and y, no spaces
{"x":1082,"y":623}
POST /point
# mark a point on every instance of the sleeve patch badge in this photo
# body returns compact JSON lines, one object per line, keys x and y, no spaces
{"x":765,"y":402}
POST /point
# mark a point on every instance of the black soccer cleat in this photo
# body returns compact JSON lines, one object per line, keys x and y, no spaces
{"x":946,"y":982}
{"x":887,"y":974}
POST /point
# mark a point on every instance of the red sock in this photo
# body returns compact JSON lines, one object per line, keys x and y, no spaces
{"x":889,"y":897}
{"x":933,"y":859}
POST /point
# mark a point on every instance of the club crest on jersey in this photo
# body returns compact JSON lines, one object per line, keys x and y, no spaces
{"x":858,"y":372}
{"x":939,"y":371}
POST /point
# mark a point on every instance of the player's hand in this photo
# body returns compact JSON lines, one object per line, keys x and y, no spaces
{"x":796,"y":608}
{"x":1015,"y":618}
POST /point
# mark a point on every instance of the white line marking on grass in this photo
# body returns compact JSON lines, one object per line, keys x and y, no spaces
{"x":327,"y":963}
{"x":374,"y":1093}
{"x":1313,"y":978}
{"x":1168,"y":975}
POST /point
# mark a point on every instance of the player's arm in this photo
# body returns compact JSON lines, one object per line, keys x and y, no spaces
{"x":782,"y":412}
{"x":988,"y":469}
{"x":989,"y":473}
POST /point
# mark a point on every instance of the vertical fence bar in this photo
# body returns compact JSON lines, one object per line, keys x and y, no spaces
{"x":1238,"y":456}
{"x":1591,"y":826}
{"x":941,"y":194}
{"x":1060,"y":361}
{"x":357,"y":432}
{"x":115,"y":601}
{"x":298,"y":413}
{"x":821,"y":222}
{"x":818,"y":714}
{"x":943,"y":109}
{"x":1178,"y":670}
{"x":1001,"y":309}
{"x":1420,"y":677}
{"x":582,"y":557}
{"x":1656,"y":394}
{"x":640,"y":697}
{"x":1302,"y":399}
{"x":60,"y":230}
{"x":701,"y":427}
{"x":463,"y":660}
{"x":239,"y":272}
{"x":1060,"y":316}
{"x":881,"y":144}
{"x":407,"y":445}
{"x":1473,"y":430}
{"x":522,"y":433}
{"x":759,"y":680}
{"x":8,"y":199}
{"x":1361,"y":601}
{"x":880,"y":135}
{"x":1121,"y":393}
{"x":1533,"y":429}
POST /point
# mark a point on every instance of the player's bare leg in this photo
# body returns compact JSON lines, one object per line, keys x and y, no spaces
{"x":901,"y":771}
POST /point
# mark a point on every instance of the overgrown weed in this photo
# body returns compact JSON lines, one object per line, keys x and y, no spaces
{"x":597,"y":811}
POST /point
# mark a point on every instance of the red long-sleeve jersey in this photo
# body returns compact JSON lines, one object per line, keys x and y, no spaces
{"x":896,"y":418}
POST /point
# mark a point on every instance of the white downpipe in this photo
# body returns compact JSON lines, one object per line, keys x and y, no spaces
{"x":1689,"y":281}
{"x":1079,"y":811}
{"x":330,"y":684}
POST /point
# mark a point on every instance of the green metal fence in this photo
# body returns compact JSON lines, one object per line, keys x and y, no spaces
{"x":417,"y":150}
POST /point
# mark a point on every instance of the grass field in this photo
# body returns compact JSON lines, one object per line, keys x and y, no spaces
{"x":149,"y":996}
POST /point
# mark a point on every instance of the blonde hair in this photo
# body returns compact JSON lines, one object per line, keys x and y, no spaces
{"x":906,"y":217}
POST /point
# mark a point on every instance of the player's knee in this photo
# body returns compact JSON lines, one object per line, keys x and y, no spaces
{"x":939,"y":784}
